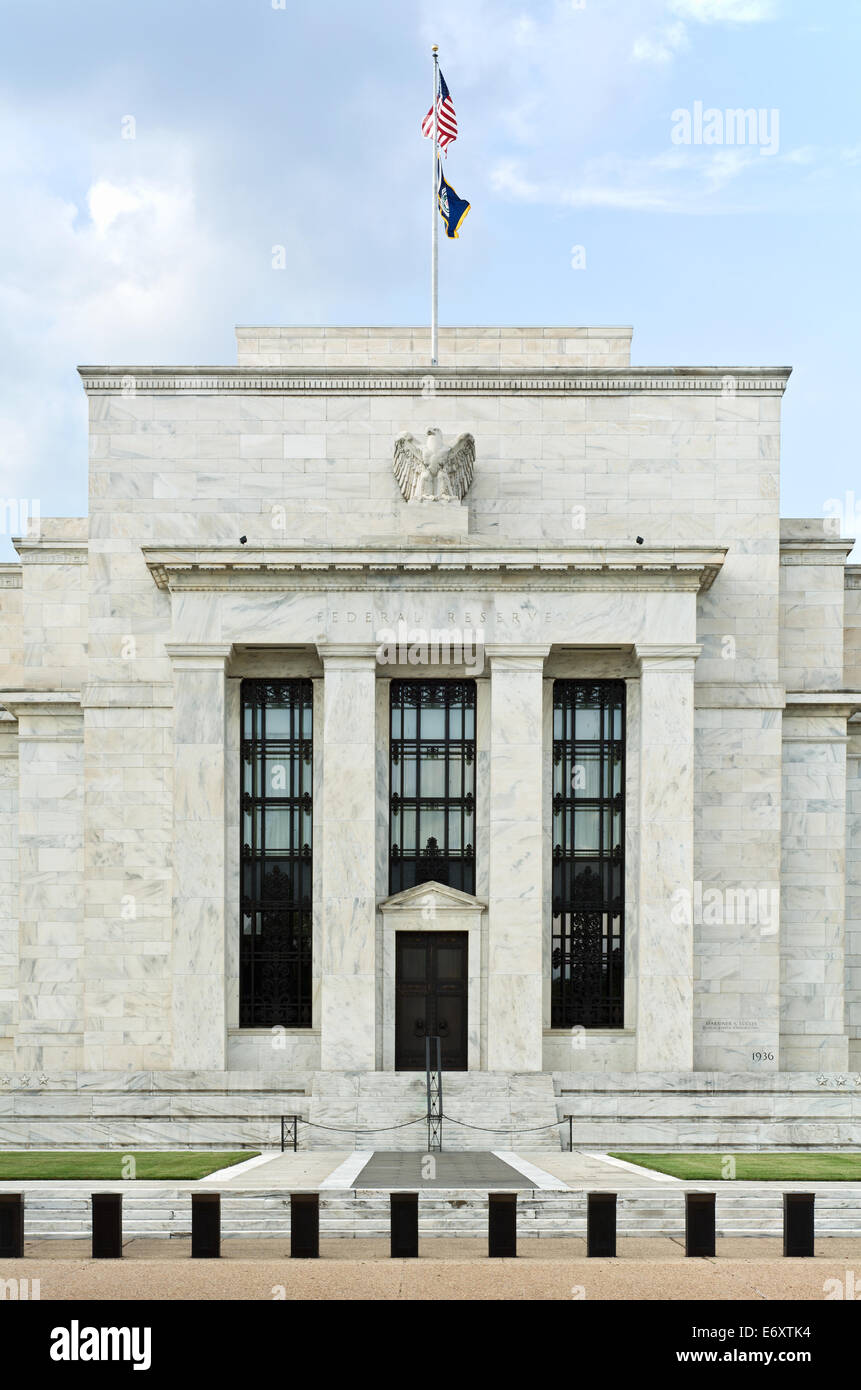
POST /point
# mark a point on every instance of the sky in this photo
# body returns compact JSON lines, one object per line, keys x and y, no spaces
{"x":155,"y":157}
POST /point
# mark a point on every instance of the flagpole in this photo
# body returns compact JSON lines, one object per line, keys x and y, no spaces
{"x":435,"y":222}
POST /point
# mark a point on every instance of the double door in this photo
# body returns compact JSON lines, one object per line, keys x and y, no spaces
{"x":430,"y":998}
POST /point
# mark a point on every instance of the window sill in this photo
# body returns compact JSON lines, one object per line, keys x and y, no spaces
{"x":590,"y":1032}
{"x":268,"y":1032}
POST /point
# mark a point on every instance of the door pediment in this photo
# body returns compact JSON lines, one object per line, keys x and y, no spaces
{"x":427,"y":898}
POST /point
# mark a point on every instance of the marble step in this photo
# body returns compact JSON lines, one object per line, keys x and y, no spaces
{"x":484,"y":1109}
{"x":460,"y":1212}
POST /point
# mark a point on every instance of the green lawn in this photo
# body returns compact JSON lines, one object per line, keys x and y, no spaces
{"x":762,"y":1167}
{"x":27,"y":1166}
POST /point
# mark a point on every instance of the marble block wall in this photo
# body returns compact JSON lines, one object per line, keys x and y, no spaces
{"x":815,"y":770}
{"x":812,"y":584}
{"x":205,"y":455}
{"x":199,"y":1015}
{"x":852,"y":650}
{"x":9,"y":964}
{"x":852,"y":627}
{"x":409,"y":347}
{"x":11,"y":603}
{"x":737,"y":849}
{"x":813,"y":883}
{"x":127,"y":956}
{"x":665,"y":955}
{"x":516,"y":920}
{"x":53,"y":633}
{"x":853,"y":894}
{"x":348,"y":990}
{"x":51,"y":880}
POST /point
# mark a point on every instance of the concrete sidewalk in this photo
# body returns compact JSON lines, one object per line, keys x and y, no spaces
{"x":654,"y":1269}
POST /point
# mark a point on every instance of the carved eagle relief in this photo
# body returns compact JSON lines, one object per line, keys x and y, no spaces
{"x":432,"y":471}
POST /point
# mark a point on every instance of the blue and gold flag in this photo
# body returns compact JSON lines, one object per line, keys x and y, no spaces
{"x":452,"y":208}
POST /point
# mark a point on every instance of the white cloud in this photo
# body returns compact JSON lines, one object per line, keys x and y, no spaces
{"x":805,"y":154}
{"x":725,"y":11}
{"x":686,"y":181}
{"x":122,"y":271}
{"x":664,"y":46}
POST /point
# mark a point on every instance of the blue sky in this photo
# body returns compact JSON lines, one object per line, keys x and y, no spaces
{"x":258,"y":125}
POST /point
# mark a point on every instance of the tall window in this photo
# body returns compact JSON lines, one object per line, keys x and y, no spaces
{"x":275,"y":945}
{"x":432,"y":805}
{"x":588,"y":854}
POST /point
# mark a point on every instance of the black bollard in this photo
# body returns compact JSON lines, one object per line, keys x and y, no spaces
{"x":205,"y":1225}
{"x":798,"y":1223}
{"x":12,"y":1225}
{"x":601,"y":1225}
{"x":699,"y":1223}
{"x":107,"y":1225}
{"x":304,"y":1225}
{"x":502,"y":1225}
{"x":404,"y":1225}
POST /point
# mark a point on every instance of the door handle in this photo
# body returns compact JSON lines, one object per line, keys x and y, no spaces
{"x":443,"y":1028}
{"x":419,"y":1028}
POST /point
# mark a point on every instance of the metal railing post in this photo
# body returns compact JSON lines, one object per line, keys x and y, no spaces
{"x":289,"y":1132}
{"x":433,"y":1073}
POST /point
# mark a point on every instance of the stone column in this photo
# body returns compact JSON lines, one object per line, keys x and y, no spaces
{"x":515,"y":917}
{"x":347,"y":845}
{"x":200,"y":913}
{"x":9,"y":962}
{"x":666,"y":880}
{"x":814,"y":917}
{"x":50,"y":987}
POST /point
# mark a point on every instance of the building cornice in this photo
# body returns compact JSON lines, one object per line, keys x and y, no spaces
{"x":53,"y":704}
{"x":11,"y":576}
{"x":460,"y":566}
{"x":842,"y":703}
{"x":35,"y":551}
{"x":721,"y":381}
{"x":819,"y":550}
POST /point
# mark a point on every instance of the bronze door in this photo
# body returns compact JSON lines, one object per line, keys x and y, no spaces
{"x":430,"y":998}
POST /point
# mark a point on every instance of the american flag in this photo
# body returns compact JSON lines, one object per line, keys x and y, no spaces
{"x":446,"y":121}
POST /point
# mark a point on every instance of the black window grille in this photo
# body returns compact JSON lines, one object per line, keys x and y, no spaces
{"x":277,"y":773}
{"x":432,"y":796}
{"x":588,"y":854}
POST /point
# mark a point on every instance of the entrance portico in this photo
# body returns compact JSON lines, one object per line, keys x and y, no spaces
{"x":634,"y":601}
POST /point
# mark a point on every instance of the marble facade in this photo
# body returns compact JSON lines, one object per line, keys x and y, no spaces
{"x":623,"y":523}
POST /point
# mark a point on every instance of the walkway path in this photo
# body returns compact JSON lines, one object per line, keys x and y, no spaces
{"x":448,"y":1269}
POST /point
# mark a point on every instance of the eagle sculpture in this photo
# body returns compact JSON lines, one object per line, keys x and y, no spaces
{"x":433,"y":472}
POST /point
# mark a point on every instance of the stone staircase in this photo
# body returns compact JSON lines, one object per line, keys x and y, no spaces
{"x":614,"y":1110}
{"x":387,"y":1110}
{"x":59,"y":1212}
{"x":730,"y":1112}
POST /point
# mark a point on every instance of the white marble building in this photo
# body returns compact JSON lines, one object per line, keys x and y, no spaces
{"x":622,"y":534}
